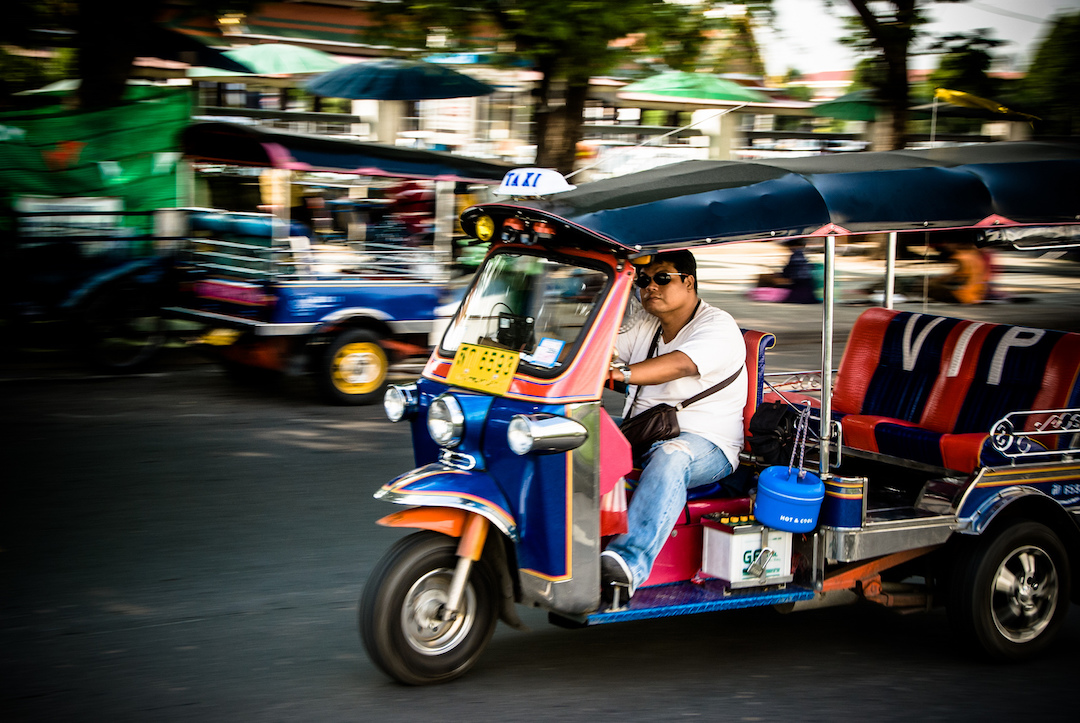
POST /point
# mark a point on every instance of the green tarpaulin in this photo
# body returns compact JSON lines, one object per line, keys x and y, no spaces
{"x":128,"y":152}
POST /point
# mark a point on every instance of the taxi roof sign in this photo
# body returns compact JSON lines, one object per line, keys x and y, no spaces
{"x":533,"y":182}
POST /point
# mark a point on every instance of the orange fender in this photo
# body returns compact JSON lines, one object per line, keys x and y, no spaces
{"x":469,"y":526}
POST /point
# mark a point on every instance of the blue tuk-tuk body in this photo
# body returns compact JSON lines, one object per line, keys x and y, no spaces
{"x":946,"y":447}
{"x":285,"y":295}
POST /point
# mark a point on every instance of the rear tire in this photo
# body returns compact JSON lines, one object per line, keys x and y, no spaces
{"x":399,"y":612}
{"x":1011,"y":592}
{"x":355,"y":368}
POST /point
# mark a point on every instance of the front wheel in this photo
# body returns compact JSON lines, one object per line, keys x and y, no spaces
{"x":1012,"y":591}
{"x":400,"y":611}
{"x":355,"y":368}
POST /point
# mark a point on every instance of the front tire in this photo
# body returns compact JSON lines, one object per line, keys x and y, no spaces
{"x":1011,"y":593}
{"x":399,"y":612}
{"x":355,"y":368}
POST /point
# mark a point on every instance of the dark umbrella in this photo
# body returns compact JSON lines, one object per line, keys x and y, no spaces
{"x":396,"y":79}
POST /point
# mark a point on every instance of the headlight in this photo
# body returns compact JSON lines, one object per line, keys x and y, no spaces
{"x":400,"y":401}
{"x":544,"y":433}
{"x":446,"y":421}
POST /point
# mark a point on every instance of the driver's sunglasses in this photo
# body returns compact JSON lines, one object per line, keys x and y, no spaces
{"x":663,"y":278}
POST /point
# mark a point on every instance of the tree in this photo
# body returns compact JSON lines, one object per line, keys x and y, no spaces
{"x":106,"y":35}
{"x":567,"y":43}
{"x":966,"y":62}
{"x":738,"y":49}
{"x":1051,"y":88}
{"x":888,"y":36}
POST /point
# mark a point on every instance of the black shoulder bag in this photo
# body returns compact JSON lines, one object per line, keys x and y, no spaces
{"x":660,"y":422}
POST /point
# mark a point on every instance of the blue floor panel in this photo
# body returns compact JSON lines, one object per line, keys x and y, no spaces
{"x":686,"y":598}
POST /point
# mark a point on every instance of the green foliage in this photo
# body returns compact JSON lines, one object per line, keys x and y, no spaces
{"x":1051,"y":88}
{"x":740,"y":53}
{"x":965,"y":62}
{"x":19,"y":72}
{"x":569,"y":39}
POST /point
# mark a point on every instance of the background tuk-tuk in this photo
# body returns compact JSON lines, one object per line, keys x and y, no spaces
{"x":941,"y":460}
{"x":318,"y":254}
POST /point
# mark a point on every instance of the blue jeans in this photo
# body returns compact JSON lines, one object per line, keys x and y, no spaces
{"x":672,"y":467}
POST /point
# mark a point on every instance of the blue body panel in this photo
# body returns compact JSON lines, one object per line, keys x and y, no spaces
{"x":535,"y":486}
{"x":1066,"y":492}
{"x":312,"y":301}
{"x":436,"y":485}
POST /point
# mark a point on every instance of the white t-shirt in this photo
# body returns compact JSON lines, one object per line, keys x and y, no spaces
{"x":714,"y":343}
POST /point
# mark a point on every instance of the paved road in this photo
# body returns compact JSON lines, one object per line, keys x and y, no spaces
{"x":176,"y":548}
{"x":173,"y":547}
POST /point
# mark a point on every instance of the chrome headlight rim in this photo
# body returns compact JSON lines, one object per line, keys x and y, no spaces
{"x":400,"y":402}
{"x":544,"y":434}
{"x":519,"y":435}
{"x":446,"y":421}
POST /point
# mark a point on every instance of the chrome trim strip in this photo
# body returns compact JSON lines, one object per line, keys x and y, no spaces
{"x":459,"y":503}
{"x":883,"y":538}
{"x":261,"y":328}
{"x":342,"y":314}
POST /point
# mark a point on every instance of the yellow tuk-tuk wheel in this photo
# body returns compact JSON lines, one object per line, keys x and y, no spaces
{"x":401,"y":622}
{"x":354,"y":368}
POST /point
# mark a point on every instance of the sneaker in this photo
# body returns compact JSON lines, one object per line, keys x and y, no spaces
{"x":616,"y":580}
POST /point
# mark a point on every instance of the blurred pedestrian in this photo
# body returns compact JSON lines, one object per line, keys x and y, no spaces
{"x":799,"y":282}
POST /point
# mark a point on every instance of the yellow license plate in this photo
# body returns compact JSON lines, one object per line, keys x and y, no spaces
{"x":219,"y":337}
{"x":483,"y":368}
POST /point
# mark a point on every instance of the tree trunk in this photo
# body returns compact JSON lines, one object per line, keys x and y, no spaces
{"x":562,"y":129}
{"x":105,"y":29}
{"x":897,"y":97}
{"x":893,"y":39}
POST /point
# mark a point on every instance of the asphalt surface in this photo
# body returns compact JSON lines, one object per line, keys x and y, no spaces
{"x":176,"y":547}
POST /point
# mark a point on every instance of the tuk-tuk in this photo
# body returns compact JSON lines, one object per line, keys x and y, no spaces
{"x":328,"y":275}
{"x":945,"y":448}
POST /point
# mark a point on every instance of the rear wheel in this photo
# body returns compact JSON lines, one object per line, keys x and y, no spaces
{"x":400,"y":611}
{"x":1011,"y":593}
{"x":355,"y":368}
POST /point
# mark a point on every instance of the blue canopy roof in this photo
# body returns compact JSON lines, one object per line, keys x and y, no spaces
{"x":697,"y":202}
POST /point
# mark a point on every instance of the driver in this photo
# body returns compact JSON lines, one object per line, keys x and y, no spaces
{"x":699,"y":346}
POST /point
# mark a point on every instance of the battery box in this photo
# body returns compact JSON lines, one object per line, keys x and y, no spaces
{"x":732,"y":544}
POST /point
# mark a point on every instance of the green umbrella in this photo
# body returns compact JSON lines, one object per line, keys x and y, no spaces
{"x":696,"y":86}
{"x":858,"y":105}
{"x":276,"y":59}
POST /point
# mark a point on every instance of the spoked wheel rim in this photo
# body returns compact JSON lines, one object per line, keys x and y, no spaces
{"x":1024,"y":593}
{"x":359,"y":367}
{"x":421,"y":614}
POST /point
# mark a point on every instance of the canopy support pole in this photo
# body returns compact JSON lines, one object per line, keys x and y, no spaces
{"x":827,"y":309}
{"x":890,"y":270}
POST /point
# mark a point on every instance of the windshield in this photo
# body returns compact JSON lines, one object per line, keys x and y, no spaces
{"x":537,"y":306}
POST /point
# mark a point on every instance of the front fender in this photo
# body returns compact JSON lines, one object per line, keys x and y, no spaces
{"x":437,"y":485}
